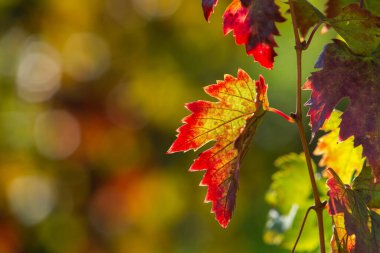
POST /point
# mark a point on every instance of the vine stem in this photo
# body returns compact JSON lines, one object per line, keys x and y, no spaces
{"x":319,"y":207}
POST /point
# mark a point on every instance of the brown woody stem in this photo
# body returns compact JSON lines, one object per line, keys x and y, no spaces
{"x":319,"y":207}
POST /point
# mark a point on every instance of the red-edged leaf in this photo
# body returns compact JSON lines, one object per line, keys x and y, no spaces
{"x":231,"y":122}
{"x":208,"y":7}
{"x":253,"y":24}
{"x":345,"y":75}
{"x":356,"y":226}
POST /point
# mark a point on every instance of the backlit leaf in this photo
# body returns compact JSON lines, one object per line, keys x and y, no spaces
{"x":341,"y":156}
{"x":359,"y":28}
{"x":253,"y":25}
{"x":231,"y":123}
{"x":356,"y":226}
{"x":345,"y":75}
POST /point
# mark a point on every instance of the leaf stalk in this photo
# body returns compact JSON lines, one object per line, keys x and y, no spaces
{"x":282,"y":114}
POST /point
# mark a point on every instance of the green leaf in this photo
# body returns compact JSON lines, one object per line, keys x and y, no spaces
{"x":359,"y":28}
{"x":292,"y":168}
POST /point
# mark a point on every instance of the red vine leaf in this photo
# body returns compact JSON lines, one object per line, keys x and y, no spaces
{"x":253,"y":24}
{"x":345,"y":75}
{"x":208,"y":7}
{"x":231,"y":123}
{"x":355,"y":224}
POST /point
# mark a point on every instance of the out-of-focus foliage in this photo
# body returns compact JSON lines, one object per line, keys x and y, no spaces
{"x":290,"y":195}
{"x":90,"y":95}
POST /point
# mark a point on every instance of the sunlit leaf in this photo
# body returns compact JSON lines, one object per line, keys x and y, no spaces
{"x":339,"y":155}
{"x":231,"y":122}
{"x":253,"y":25}
{"x":344,"y":74}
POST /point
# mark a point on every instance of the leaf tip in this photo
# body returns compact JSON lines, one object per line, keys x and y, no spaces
{"x":208,"y":8}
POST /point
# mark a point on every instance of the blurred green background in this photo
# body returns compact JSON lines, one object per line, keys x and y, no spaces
{"x":91,"y":94}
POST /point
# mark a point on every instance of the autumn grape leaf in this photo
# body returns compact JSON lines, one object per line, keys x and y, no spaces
{"x":307,"y":16}
{"x":252,"y":23}
{"x":356,"y":226}
{"x":208,"y":7}
{"x":358,"y":27}
{"x":345,"y":75}
{"x":342,"y":156}
{"x":231,"y":123}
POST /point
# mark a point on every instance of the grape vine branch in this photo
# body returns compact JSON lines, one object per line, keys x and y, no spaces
{"x":319,"y":206}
